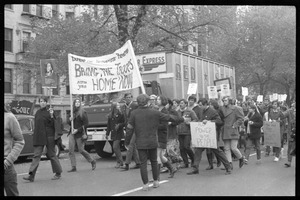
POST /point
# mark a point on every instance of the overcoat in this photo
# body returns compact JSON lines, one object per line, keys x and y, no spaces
{"x":111,"y":124}
{"x":183,"y":128}
{"x":43,"y":127}
{"x":127,"y":109}
{"x":233,"y":118}
{"x":162,"y":131}
{"x":255,"y":128}
{"x":172,"y":127}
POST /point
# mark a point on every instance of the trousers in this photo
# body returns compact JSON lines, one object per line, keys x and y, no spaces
{"x":231,"y":145}
{"x":10,"y":181}
{"x":80,"y":144}
{"x":132,"y":152}
{"x":185,"y":148}
{"x":144,"y":154}
{"x":38,"y":150}
{"x":117,"y":150}
{"x":249,"y":144}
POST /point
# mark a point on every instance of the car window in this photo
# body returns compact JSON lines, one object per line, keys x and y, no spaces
{"x":25,"y":124}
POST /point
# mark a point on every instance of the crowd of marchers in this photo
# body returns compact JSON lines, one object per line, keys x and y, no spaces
{"x":157,"y":129}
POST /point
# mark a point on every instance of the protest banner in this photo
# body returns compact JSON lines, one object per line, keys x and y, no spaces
{"x":110,"y":73}
{"x":225,"y":91}
{"x":48,"y":69}
{"x":259,"y":98}
{"x":244,"y":91}
{"x":192,"y":88}
{"x":275,"y":96}
{"x":272,"y":134}
{"x":271,"y":98}
{"x":212,"y":92}
{"x":204,"y":135}
{"x":284,"y":97}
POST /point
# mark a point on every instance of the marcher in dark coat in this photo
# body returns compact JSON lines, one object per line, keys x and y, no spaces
{"x":209,"y":115}
{"x":44,"y":133}
{"x":115,"y":126}
{"x":162,"y":133}
{"x":80,"y":123}
{"x":254,"y":122}
{"x":144,"y":122}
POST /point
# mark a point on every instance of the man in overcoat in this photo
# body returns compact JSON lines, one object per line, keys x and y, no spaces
{"x":233,"y":118}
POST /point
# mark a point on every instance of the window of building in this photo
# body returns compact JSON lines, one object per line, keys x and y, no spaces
{"x":193,"y":74}
{"x":26,"y":37}
{"x":69,"y":15}
{"x":26,"y":8}
{"x":26,"y":82}
{"x":178,"y":72}
{"x":185,"y":72}
{"x":54,"y":10}
{"x":67,"y":89}
{"x":39,"y":10}
{"x":8,"y":40}
{"x":9,"y":6}
{"x":7,"y":81}
{"x":38,"y":83}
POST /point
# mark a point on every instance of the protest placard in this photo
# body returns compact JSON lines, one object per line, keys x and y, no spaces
{"x":244,"y":91}
{"x":272,"y":134}
{"x":48,"y":69}
{"x":204,"y":135}
{"x":192,"y":88}
{"x":259,"y":98}
{"x":271,"y":98}
{"x":275,"y":96}
{"x":110,"y":73}
{"x":225,"y":91}
{"x":212,"y":92}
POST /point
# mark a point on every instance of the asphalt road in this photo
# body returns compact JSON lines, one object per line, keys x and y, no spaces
{"x":267,"y":179}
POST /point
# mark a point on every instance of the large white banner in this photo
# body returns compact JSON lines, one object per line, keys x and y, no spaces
{"x":110,"y":73}
{"x":204,"y":135}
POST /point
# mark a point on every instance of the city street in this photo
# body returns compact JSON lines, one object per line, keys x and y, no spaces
{"x":267,"y":179}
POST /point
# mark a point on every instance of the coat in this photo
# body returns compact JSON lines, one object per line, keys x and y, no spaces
{"x":198,"y":110}
{"x":233,"y":118}
{"x":131,"y":107}
{"x":144,"y":121}
{"x":43,"y":127}
{"x":112,"y":122}
{"x":80,"y":123}
{"x":183,"y":128}
{"x":255,"y":128}
{"x":291,"y":119}
{"x":172,"y":126}
{"x":162,"y":131}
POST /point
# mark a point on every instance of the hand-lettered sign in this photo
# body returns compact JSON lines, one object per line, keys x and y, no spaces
{"x":115,"y":72}
{"x":272,"y":134}
{"x":204,"y":135}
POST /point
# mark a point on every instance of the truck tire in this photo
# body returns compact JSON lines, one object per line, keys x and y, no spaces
{"x":99,"y":149}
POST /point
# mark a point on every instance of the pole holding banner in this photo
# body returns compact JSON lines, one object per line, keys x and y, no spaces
{"x":71,"y":101}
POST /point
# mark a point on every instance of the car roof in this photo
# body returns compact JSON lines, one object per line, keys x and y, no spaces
{"x":20,"y":116}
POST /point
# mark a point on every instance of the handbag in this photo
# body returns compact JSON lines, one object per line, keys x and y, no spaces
{"x":84,"y":135}
{"x":107,"y":147}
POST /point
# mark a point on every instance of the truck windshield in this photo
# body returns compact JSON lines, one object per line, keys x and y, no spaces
{"x":107,"y":98}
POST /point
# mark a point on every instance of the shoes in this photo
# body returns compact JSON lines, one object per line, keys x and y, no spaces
{"x":125,"y":168}
{"x":194,"y":171}
{"x":241,"y":163}
{"x":228,"y":171}
{"x":146,"y":187}
{"x":184,"y":166}
{"x":164,"y":169}
{"x":276,"y":159}
{"x":137,"y":166}
{"x":56,"y":177}
{"x":156,"y":184}
{"x":118,"y":165}
{"x":219,"y":164}
{"x":258,"y":162}
{"x":245,"y":161}
{"x":287,"y":165}
{"x":29,"y":178}
{"x":73,"y":169}
{"x":93,"y":165}
{"x":209,"y":167}
{"x":171,"y":169}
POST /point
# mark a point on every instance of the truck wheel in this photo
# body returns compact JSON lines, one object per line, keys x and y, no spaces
{"x":88,"y":148}
{"x":99,"y":149}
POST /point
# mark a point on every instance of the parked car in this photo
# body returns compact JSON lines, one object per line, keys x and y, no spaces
{"x":27,"y":126}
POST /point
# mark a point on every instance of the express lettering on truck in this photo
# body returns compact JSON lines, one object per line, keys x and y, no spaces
{"x":155,"y":60}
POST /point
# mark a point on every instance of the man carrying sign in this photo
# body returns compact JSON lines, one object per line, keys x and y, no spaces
{"x":209,"y":114}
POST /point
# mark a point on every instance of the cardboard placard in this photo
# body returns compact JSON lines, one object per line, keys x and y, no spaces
{"x":275,"y":96}
{"x":259,"y":98}
{"x":272,"y":134}
{"x":244,"y":91}
{"x":212,"y":92}
{"x":225,"y":91}
{"x":192,"y":88}
{"x":204,"y":135}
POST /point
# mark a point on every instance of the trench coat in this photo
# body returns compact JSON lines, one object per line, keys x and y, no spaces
{"x":233,"y":118}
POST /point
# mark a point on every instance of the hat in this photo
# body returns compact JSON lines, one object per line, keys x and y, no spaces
{"x":142,"y":99}
{"x":153,"y":96}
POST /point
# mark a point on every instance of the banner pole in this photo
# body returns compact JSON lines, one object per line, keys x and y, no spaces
{"x":71,"y":94}
{"x":135,"y":62}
